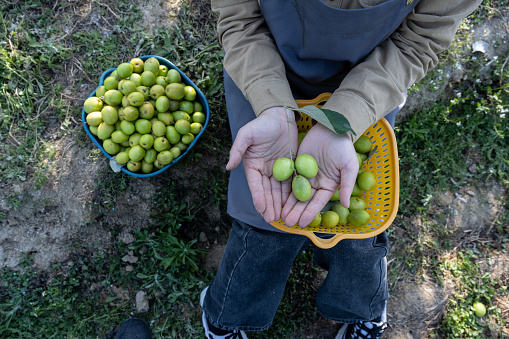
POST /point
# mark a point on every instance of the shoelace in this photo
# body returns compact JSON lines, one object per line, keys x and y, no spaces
{"x":366,"y":330}
{"x":234,"y":335}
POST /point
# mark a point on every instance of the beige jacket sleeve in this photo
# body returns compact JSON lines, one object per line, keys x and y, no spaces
{"x":371,"y":89}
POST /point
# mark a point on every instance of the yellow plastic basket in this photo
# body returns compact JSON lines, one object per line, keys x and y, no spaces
{"x":383,"y":200}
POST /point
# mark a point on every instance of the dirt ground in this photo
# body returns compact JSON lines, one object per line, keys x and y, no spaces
{"x":49,"y":220}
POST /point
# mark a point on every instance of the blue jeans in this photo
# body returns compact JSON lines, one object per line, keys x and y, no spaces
{"x":251,"y":278}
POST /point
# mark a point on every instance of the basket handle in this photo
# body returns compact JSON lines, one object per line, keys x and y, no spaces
{"x":324,"y":243}
{"x":320,"y":98}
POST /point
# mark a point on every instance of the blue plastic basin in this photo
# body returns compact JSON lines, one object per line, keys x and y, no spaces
{"x":199,"y":97}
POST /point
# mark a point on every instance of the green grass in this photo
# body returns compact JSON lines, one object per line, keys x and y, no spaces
{"x":456,"y":141}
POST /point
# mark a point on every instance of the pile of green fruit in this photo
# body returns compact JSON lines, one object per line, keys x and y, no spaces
{"x":307,"y":167}
{"x":356,"y":214}
{"x":144,"y":115}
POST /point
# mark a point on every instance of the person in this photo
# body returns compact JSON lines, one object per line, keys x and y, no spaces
{"x":367,"y":53}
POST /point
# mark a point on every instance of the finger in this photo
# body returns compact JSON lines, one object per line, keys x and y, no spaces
{"x":268,"y":214}
{"x":276,"y":197}
{"x":286,"y":191}
{"x":293,"y":216}
{"x":255,"y":183}
{"x":239,"y":147}
{"x":287,"y":209}
{"x":348,"y":178}
{"x":315,"y":205}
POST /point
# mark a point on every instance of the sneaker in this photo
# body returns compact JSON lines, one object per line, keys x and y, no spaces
{"x":365,"y":329}
{"x":212,"y":332}
{"x":132,"y":328}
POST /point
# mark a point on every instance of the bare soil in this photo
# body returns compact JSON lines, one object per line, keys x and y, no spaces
{"x":50,"y":222}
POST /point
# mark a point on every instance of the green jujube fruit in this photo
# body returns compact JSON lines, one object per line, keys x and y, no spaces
{"x":172,"y":135}
{"x":181,"y":115}
{"x":122,"y":158}
{"x":110,"y":83}
{"x":363,"y":144}
{"x":93,"y":104}
{"x":146,"y":141}
{"x":134,"y":139}
{"x":366,"y":180}
{"x":124,"y":70}
{"x":137,"y":65}
{"x":93,"y":130}
{"x":146,"y":110}
{"x":109,"y":115}
{"x":175,"y":151}
{"x":342,"y":212}
{"x":161,"y":144}
{"x":165,"y":157}
{"x":282,"y":169}
{"x":357,"y":203}
{"x":119,"y":137}
{"x":356,"y":190}
{"x":136,"y":99}
{"x":136,"y":153}
{"x":358,"y":217}
{"x":143,"y":126}
{"x":104,"y":131}
{"x":146,"y":167}
{"x":152,"y":65}
{"x":159,"y":128}
{"x":306,"y":165}
{"x":183,"y":126}
{"x":196,"y":128}
{"x":330,"y":219}
{"x":150,"y":155}
{"x":156,"y":91}
{"x":301,"y":188}
{"x":175,"y":91}
{"x":94,"y":118}
{"x":190,"y":93}
{"x":165,"y":117}
{"x":148,"y":79}
{"x":199,"y":117}
{"x":187,"y":138}
{"x":127,"y":127}
{"x":173,"y":76}
{"x":134,"y":166}
{"x":111,"y":147}
{"x":316,"y":221}
{"x":113,"y":97}
{"x":162,"y":104}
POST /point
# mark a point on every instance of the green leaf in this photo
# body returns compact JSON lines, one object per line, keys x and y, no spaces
{"x":333,"y":120}
{"x":110,"y":299}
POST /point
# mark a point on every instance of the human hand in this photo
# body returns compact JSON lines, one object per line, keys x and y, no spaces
{"x":260,"y":143}
{"x":337,"y":166}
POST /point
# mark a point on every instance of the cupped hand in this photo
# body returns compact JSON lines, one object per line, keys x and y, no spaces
{"x":337,"y":167}
{"x":260,"y":143}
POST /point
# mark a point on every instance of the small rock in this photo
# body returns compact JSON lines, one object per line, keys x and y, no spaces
{"x":471,"y":193}
{"x":472,"y":168}
{"x":130,"y":259}
{"x":203,"y":237}
{"x":142,"y":302}
{"x":130,"y":253}
{"x":129,"y":268}
{"x":445,"y":198}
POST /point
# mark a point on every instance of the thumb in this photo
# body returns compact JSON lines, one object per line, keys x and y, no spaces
{"x":239,"y":147}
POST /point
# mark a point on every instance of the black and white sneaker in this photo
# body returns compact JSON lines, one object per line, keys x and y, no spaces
{"x":365,"y":329}
{"x":212,"y":332}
